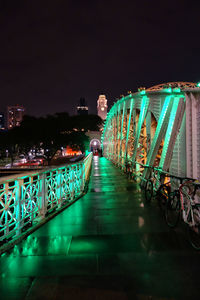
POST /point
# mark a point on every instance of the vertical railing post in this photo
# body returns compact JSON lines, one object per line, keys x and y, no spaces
{"x":59,"y":187}
{"x":83,"y":166}
{"x":71,"y":183}
{"x":43,"y":201}
{"x":19,"y":203}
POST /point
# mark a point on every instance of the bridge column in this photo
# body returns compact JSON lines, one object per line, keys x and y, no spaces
{"x":115,"y":136}
{"x":118,"y":133}
{"x":191,"y":135}
{"x":143,"y":111}
{"x":128,"y":127}
{"x":148,"y":128}
{"x":121,"y":133}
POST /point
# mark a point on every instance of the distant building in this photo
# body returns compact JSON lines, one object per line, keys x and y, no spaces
{"x":82,"y":108}
{"x":15,"y":115}
{"x":2,"y":121}
{"x":102,"y":107}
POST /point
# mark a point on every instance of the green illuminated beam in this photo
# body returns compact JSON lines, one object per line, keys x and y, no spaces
{"x":143,"y":111}
{"x":118,"y":117}
{"x":160,"y":131}
{"x":121,"y":135}
{"x":118,"y":131}
{"x":148,"y":129}
{"x":129,"y":123}
{"x":174,"y":125}
{"x":112,"y":136}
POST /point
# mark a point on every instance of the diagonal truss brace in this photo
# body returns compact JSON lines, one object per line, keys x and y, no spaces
{"x":160,"y":132}
{"x":173,"y":128}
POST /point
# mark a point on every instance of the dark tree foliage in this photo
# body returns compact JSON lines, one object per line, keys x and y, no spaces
{"x":50,"y":133}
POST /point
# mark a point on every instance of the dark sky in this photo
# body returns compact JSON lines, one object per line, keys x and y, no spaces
{"x":53,"y":52}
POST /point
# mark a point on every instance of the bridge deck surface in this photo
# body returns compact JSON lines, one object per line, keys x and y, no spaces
{"x":107,"y":245}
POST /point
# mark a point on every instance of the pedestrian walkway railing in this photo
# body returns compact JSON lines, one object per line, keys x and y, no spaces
{"x":29,"y":198}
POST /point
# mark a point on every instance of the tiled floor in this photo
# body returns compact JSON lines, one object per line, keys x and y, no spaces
{"x":107,"y":245}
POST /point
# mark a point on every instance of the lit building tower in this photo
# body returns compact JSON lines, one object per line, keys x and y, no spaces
{"x":15,"y":115}
{"x":82,"y":108}
{"x":102,"y":107}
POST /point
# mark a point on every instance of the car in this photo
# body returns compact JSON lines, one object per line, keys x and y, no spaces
{"x":41,"y":158}
{"x":27,"y":163}
{"x":16,"y":163}
{"x":33,"y":162}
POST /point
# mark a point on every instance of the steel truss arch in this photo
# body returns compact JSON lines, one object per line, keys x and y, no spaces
{"x":150,"y":127}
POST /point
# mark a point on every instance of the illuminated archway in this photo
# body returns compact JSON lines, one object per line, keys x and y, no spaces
{"x":95,"y":144}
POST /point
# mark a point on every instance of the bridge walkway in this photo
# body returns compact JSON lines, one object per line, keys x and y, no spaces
{"x":107,"y":245}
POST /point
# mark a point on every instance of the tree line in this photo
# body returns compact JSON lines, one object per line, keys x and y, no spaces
{"x":49,"y":133}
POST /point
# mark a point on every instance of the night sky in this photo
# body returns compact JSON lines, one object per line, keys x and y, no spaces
{"x":53,"y":52}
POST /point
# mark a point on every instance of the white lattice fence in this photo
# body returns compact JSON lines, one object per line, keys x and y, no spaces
{"x":29,"y":197}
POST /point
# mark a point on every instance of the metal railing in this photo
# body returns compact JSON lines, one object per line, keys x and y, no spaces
{"x":30,"y":197}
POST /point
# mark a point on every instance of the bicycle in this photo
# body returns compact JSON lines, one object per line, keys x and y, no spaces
{"x":182,"y":200}
{"x":172,"y":211}
{"x":128,"y":169}
{"x":156,"y":186}
{"x":135,"y":173}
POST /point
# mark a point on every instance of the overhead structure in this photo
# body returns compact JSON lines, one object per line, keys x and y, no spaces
{"x":159,"y":126}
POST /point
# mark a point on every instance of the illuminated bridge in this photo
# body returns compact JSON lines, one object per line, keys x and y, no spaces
{"x":159,"y":126}
{"x":107,"y":244}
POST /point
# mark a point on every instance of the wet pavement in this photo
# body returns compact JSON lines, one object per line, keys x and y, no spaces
{"x":107,"y":245}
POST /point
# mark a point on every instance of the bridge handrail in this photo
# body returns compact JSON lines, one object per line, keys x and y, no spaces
{"x":161,"y":171}
{"x":45,"y":169}
{"x":29,"y":197}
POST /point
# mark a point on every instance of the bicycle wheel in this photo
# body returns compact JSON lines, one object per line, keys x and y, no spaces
{"x":163,"y":195}
{"x":149,"y":190}
{"x":134,"y":177}
{"x":172,"y":210}
{"x":194,"y":231}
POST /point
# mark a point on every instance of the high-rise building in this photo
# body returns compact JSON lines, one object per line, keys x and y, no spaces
{"x":82,"y":108}
{"x":15,"y":115}
{"x":2,"y":121}
{"x":102,"y":107}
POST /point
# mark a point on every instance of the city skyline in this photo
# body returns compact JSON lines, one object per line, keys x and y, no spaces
{"x":54,"y":52}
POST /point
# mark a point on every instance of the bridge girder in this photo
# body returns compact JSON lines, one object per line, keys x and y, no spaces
{"x":152,"y":127}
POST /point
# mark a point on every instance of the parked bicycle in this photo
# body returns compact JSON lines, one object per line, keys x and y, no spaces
{"x":183,"y":202}
{"x":128,"y":169}
{"x":135,"y":172}
{"x":157,"y":185}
